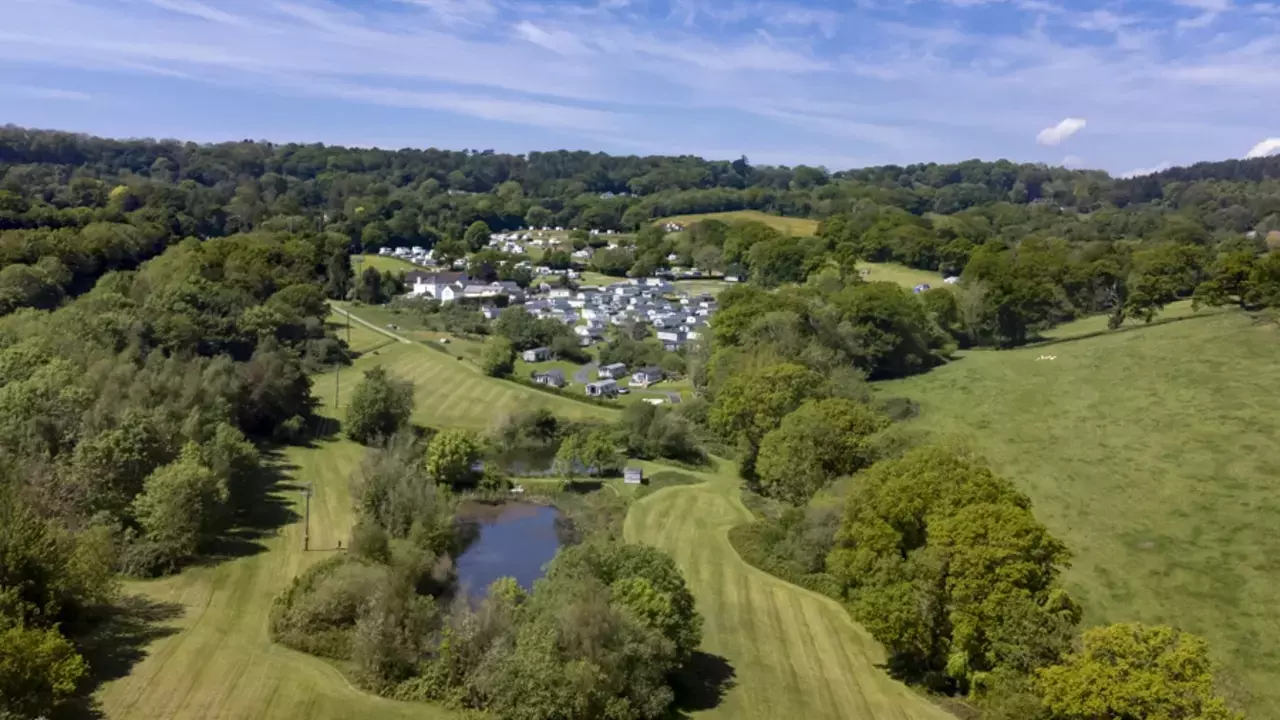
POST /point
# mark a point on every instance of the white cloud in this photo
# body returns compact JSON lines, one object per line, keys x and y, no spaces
{"x":1270,"y":146}
{"x":1058,"y":133}
{"x":1139,"y":172}
{"x":1072,"y":161}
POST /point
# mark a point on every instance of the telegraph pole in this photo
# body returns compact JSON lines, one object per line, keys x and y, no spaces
{"x":306,"y":522}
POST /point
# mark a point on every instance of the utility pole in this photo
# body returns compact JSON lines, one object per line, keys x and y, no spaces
{"x":306,"y":521}
{"x":337,"y":382}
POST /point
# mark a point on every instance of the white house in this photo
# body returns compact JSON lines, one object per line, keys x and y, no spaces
{"x":435,"y":284}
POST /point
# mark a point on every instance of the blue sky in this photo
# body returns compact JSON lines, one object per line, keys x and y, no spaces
{"x":1123,"y":86}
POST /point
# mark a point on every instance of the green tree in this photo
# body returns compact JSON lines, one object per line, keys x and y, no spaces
{"x":820,"y":441}
{"x":338,"y":275}
{"x":39,"y":668}
{"x":750,"y":404}
{"x":497,"y":358}
{"x":369,"y":287}
{"x":452,"y":457}
{"x":181,"y":508}
{"x":1129,"y":670}
{"x":379,"y":407}
{"x":477,"y":235}
{"x":943,"y":563}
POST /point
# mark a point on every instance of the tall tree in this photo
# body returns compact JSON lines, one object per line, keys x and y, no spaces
{"x":379,"y":408}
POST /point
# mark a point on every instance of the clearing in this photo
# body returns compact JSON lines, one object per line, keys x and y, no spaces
{"x":800,"y":227}
{"x":786,"y":652}
{"x":1153,"y":452}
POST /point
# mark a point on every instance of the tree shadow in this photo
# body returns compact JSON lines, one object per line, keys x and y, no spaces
{"x":266,"y":508}
{"x":113,"y":644}
{"x":322,"y":428}
{"x":702,"y":683}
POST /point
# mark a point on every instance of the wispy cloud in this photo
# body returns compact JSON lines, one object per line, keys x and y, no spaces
{"x":43,"y":93}
{"x":1057,"y":134}
{"x":874,"y":79}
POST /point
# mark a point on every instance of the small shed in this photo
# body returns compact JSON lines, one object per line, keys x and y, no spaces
{"x":633,"y":476}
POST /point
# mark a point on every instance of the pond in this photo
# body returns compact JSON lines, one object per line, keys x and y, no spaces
{"x":511,"y":540}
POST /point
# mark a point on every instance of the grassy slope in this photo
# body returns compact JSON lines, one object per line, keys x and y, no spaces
{"x":1154,"y":454}
{"x":794,"y":653}
{"x":789,"y":225}
{"x":385,"y":264}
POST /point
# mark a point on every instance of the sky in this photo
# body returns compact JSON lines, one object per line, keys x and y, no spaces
{"x":1126,"y":86}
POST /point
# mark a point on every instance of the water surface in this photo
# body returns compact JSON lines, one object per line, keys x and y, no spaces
{"x":512,"y":540}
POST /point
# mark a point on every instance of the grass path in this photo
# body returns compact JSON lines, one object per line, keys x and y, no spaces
{"x":219,"y":662}
{"x":794,"y":653}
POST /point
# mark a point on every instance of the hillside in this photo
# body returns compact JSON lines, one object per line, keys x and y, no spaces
{"x":1153,"y":453}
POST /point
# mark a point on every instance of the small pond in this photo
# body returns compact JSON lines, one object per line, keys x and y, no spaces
{"x":511,"y":540}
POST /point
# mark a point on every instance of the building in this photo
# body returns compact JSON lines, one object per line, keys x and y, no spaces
{"x":644,"y":377}
{"x":550,"y":378}
{"x":613,"y":371}
{"x":952,"y":280}
{"x":434,"y":285}
{"x":602,"y":388}
{"x":633,"y":476}
{"x":538,"y":354}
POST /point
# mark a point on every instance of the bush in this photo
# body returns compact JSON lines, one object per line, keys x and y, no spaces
{"x":318,"y":611}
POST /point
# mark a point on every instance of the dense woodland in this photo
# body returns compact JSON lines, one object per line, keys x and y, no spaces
{"x":162,"y":305}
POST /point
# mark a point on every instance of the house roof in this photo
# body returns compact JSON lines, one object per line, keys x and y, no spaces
{"x":445,"y":278}
{"x":553,"y":374}
{"x":651,"y":370}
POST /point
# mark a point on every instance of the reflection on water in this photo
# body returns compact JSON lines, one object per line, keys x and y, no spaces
{"x":512,"y":540}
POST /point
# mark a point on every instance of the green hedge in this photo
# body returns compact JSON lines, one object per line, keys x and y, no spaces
{"x":749,"y":542}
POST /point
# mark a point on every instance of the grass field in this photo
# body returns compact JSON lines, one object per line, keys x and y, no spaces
{"x":793,"y":653}
{"x":1154,"y":453}
{"x":802,"y":227}
{"x":900,"y":274}
{"x":383,"y":264}
{"x":450,"y":392}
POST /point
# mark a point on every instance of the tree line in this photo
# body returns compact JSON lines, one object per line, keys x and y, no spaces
{"x":130,"y":426}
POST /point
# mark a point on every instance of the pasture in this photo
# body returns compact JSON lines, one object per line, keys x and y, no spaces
{"x":1153,"y":452}
{"x":383,"y":264}
{"x":449,"y":392}
{"x":800,"y":227}
{"x":790,"y":653}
